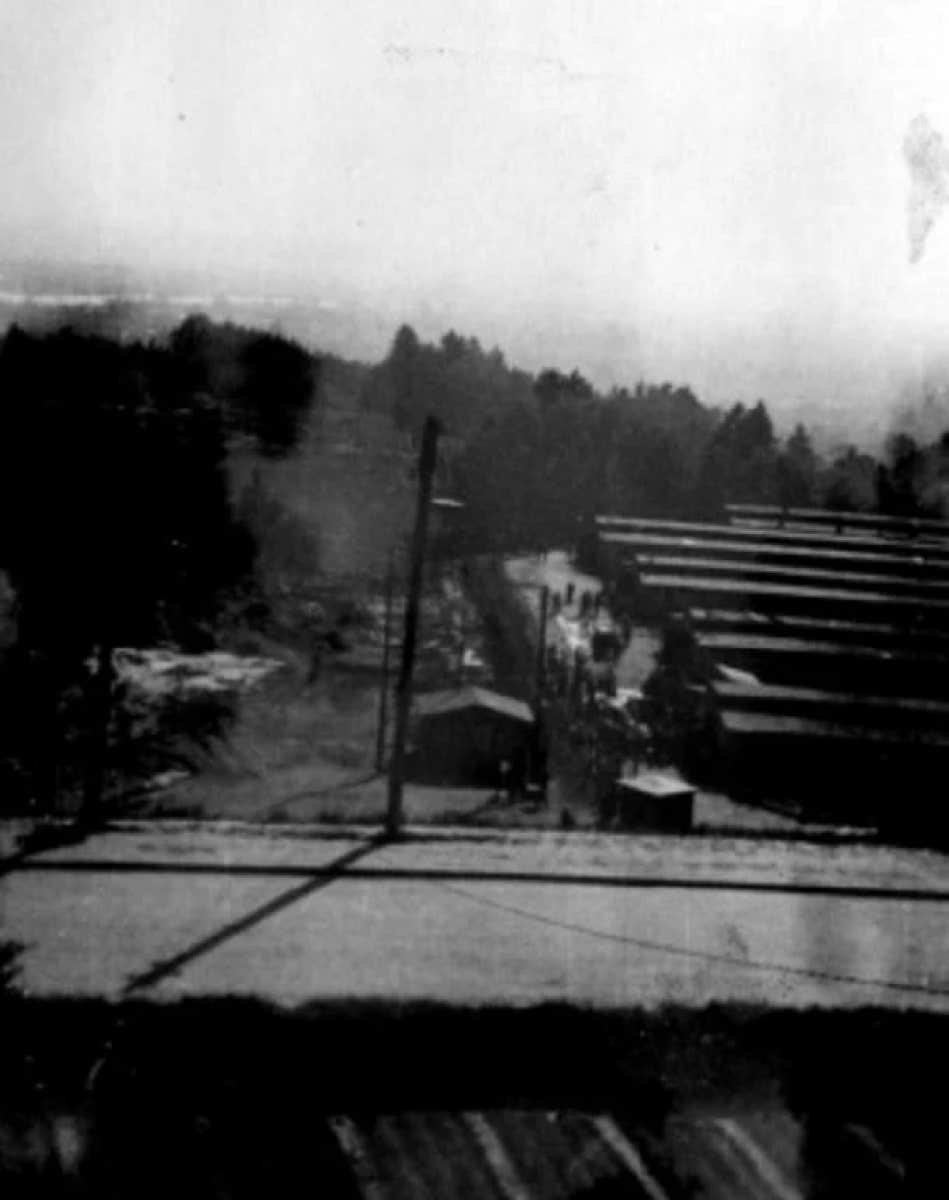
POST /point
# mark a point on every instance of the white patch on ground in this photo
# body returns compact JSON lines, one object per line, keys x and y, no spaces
{"x":555,"y":571}
{"x":165,"y":672}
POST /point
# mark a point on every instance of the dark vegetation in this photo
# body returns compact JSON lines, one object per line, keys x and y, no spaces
{"x":263,"y":382}
{"x":534,"y":457}
{"x":119,"y":526}
{"x":116,"y":523}
{"x":508,"y":635}
{"x":230,"y":1097}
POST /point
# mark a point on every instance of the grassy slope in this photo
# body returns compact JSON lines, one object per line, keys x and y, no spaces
{"x":304,"y":749}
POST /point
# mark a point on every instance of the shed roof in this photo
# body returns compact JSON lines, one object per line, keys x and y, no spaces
{"x":656,"y":784}
{"x":432,"y":704}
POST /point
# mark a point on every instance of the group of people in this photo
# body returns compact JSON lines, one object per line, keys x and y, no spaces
{"x":665,"y":724}
{"x":672,"y":722}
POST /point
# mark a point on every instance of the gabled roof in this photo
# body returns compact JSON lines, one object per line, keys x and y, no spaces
{"x":432,"y":704}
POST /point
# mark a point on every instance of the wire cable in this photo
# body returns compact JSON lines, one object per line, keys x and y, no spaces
{"x":704,"y":955}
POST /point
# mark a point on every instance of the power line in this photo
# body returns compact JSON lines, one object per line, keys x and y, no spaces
{"x":705,"y":955}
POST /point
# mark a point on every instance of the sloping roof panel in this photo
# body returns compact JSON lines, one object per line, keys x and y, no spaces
{"x":435,"y":703}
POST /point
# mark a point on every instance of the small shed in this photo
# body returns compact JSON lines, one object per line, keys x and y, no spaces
{"x":655,"y":802}
{"x":462,"y":737}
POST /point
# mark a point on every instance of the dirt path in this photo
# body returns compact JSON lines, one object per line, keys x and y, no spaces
{"x":484,"y":918}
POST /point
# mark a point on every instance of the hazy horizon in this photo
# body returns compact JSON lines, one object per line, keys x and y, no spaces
{"x":718,"y":196}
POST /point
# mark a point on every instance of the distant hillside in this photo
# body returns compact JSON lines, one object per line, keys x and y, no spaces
{"x":347,"y":488}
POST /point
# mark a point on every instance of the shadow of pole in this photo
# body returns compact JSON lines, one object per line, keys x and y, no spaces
{"x":170,"y":966}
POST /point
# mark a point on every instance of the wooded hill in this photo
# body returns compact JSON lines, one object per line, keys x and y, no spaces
{"x":148,"y":487}
{"x":534,"y":457}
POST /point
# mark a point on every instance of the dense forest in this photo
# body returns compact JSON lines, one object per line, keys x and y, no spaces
{"x":116,"y":521}
{"x":534,"y":457}
{"x":119,"y":527}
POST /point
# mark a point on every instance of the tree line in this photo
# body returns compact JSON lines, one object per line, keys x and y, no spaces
{"x":536,"y":456}
{"x":118,"y":528}
{"x":116,"y":521}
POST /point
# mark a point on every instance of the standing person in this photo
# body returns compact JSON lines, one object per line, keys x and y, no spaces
{"x":504,"y":778}
{"x":539,"y":748}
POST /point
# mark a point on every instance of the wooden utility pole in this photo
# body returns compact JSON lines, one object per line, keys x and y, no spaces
{"x":542,"y":641}
{"x":384,"y":685}
{"x":403,"y":694}
{"x":98,"y":690}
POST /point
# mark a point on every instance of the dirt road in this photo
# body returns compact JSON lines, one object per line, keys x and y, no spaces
{"x":488,"y":919}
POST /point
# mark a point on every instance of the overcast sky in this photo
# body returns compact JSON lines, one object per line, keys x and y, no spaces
{"x":707,"y":191}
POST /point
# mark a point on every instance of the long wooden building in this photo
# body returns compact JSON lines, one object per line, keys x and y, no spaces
{"x":828,"y":639}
